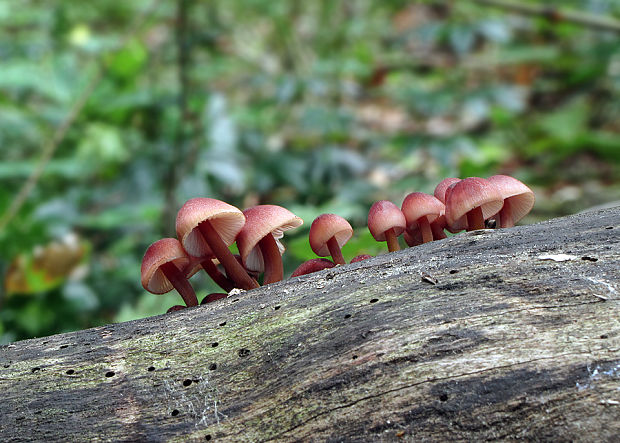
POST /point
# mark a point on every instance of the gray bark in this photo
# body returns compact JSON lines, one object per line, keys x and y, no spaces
{"x":485,"y":335}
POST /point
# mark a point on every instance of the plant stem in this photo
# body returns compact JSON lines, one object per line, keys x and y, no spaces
{"x":180,"y":283}
{"x":392,"y":240}
{"x":234,"y":270}
{"x":215,"y":274}
{"x":506,"y":219}
{"x":335,"y":251}
{"x":425,"y":229}
{"x":272,"y":259}
{"x":475,"y":219}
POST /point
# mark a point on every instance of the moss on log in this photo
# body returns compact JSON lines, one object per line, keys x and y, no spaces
{"x":486,"y":335}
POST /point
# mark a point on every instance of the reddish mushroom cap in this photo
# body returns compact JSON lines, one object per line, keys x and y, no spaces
{"x":471,"y":193}
{"x":360,"y":257}
{"x":312,"y":265}
{"x":326,"y":226}
{"x":162,"y":251}
{"x":260,"y":221}
{"x":520,"y":196}
{"x":384,"y":215}
{"x":440,"y":190}
{"x":226,"y":220}
{"x":419,"y":204}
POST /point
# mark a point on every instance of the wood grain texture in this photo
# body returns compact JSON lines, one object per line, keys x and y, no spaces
{"x":474,"y":337}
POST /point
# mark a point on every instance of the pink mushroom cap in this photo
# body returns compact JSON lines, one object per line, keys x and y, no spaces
{"x":470,"y":193}
{"x":384,"y":215}
{"x":440,"y":189}
{"x":520,"y":197}
{"x":419,"y":204}
{"x":326,"y":226}
{"x":226,"y":219}
{"x":262,"y":220}
{"x":312,"y":265}
{"x":162,"y":251}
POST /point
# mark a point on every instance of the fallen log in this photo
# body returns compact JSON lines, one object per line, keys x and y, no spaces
{"x":492,"y":334}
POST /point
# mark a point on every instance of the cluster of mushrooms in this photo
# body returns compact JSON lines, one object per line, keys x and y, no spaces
{"x":206,"y":228}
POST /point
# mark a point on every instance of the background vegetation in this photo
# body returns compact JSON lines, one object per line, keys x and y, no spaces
{"x":112,"y":114}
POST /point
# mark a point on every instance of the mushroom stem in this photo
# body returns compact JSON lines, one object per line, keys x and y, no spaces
{"x":475,"y":219}
{"x":392,"y":240}
{"x":335,"y":251}
{"x":180,"y":283}
{"x":438,"y":232}
{"x":505,"y":215}
{"x":425,"y":229}
{"x":234,"y":270}
{"x":215,"y":274}
{"x":272,"y":259}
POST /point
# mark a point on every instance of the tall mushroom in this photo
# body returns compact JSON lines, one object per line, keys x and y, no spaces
{"x":207,"y":227}
{"x":259,"y":243}
{"x":518,"y":199}
{"x":163,"y":268}
{"x":328,"y":233}
{"x":386,"y":222}
{"x":474,"y":198}
{"x":423,"y":213}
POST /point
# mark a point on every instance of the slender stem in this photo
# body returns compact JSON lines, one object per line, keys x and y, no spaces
{"x":215,"y":274}
{"x":438,"y":232}
{"x":505,"y":215}
{"x":272,"y":259}
{"x":425,"y":229}
{"x":180,"y":283}
{"x":234,"y":270}
{"x":475,"y":219}
{"x":392,"y":240}
{"x":335,"y":251}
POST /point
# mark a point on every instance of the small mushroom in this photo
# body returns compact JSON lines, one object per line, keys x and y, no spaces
{"x":360,"y":257}
{"x":422,"y":211}
{"x":259,"y":240}
{"x":386,"y":222}
{"x":213,"y":297}
{"x":474,"y":198}
{"x":312,"y":265}
{"x":163,"y":268}
{"x":207,"y":227}
{"x":518,"y":199}
{"x":328,"y":233}
{"x":440,"y":189}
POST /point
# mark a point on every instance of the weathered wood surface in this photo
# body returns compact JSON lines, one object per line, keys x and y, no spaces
{"x":504,"y":345}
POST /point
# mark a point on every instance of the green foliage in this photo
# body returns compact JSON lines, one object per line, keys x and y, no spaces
{"x":319,"y":106}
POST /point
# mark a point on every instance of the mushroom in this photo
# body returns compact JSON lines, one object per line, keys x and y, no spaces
{"x":213,"y":297}
{"x":312,"y":265}
{"x":360,"y":258}
{"x":440,"y":189}
{"x":328,"y":233}
{"x":473,"y":198}
{"x":206,"y":227}
{"x":386,"y":222}
{"x":423,"y":213}
{"x":163,"y":268}
{"x":518,"y":199}
{"x":259,"y":243}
